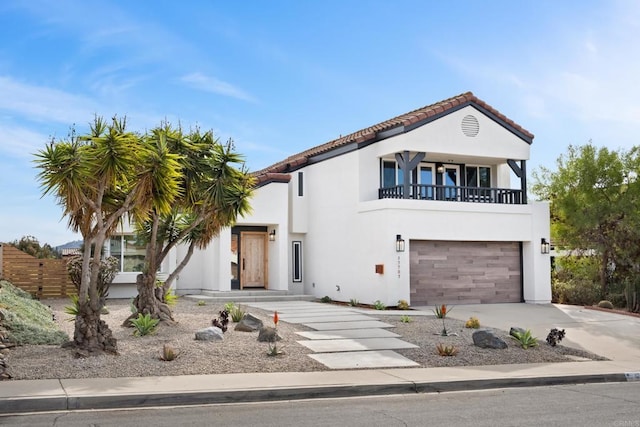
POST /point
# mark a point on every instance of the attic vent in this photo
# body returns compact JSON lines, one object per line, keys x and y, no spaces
{"x":470,"y":125}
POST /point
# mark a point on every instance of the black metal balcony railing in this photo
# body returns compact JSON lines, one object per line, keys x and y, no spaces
{"x":506,"y":196}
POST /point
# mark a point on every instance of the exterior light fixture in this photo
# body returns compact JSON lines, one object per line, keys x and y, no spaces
{"x":272,"y":235}
{"x":399,"y":243}
{"x":439,"y":168}
{"x":544,"y":246}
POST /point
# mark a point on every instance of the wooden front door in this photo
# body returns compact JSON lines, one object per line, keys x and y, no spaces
{"x":253,"y":259}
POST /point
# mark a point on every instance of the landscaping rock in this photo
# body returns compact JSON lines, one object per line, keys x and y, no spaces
{"x":209,"y":334}
{"x":516,"y":329}
{"x":486,"y":338}
{"x":268,"y":334}
{"x":249,"y":323}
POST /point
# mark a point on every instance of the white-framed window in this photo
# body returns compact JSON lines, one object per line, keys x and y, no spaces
{"x":129,"y":252}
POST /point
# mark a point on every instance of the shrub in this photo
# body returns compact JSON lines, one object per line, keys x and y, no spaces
{"x":605,"y":304}
{"x":168,"y":353}
{"x":237,"y":313}
{"x":405,"y":319}
{"x":472,"y":323}
{"x":72,"y":309}
{"x":222,"y":321}
{"x":379,"y":305}
{"x":353,"y":302}
{"x":144,"y":324}
{"x":555,"y":336}
{"x":326,"y":299}
{"x":170,"y":298}
{"x":228,"y":306}
{"x":26,"y":320}
{"x":446,"y":350}
{"x":201,"y":303}
{"x":577,"y":292}
{"x":525,"y":339}
{"x":403,"y":305}
{"x":617,"y":299}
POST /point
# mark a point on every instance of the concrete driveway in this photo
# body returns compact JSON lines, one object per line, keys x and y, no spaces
{"x":614,"y":336}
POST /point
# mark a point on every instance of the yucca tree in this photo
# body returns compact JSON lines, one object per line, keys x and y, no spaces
{"x":215,"y":189}
{"x":97,"y":178}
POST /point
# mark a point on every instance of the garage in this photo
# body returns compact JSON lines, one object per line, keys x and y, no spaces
{"x":454,"y":272}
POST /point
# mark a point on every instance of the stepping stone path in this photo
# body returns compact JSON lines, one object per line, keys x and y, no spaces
{"x":343,"y":337}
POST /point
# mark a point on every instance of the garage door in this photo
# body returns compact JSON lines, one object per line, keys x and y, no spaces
{"x":465,"y":272}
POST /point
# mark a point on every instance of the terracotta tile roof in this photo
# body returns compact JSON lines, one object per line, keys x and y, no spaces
{"x":429,"y":112}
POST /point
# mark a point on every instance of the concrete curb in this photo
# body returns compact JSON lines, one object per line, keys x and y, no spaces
{"x":63,"y":401}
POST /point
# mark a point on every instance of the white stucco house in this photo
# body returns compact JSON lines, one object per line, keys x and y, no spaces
{"x":429,"y":207}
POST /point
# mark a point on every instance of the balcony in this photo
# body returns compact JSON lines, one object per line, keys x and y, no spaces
{"x":505,"y":196}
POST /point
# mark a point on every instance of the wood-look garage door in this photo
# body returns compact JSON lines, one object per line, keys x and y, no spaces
{"x":465,"y":272}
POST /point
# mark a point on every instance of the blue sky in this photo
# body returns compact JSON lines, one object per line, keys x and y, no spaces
{"x":282,"y":76}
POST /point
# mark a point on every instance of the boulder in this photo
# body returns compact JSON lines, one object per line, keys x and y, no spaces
{"x":249,"y":323}
{"x":486,"y":338}
{"x":516,"y":329}
{"x":209,"y":334}
{"x":268,"y":334}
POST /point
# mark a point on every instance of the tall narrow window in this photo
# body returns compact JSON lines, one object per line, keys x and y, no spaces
{"x":297,"y":261}
{"x":300,"y":184}
{"x":388,"y":174}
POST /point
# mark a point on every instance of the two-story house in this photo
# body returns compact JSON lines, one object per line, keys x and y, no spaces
{"x":429,"y":207}
{"x":421,"y":207}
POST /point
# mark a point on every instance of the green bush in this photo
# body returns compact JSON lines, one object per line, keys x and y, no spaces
{"x":353,"y":302}
{"x":576,"y":292}
{"x":326,"y":299}
{"x":405,"y":319}
{"x":379,"y":305}
{"x":236,"y":313}
{"x":26,"y":320}
{"x":605,"y":304}
{"x":144,"y":324}
{"x":525,"y":339}
{"x":617,"y":299}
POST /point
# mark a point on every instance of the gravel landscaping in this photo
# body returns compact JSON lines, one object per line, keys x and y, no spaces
{"x":240,"y":352}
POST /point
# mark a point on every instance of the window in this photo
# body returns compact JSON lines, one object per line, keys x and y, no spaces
{"x":478,"y":176}
{"x":388,"y":174}
{"x":297,"y":261}
{"x":300,"y":184}
{"x":129,"y":252}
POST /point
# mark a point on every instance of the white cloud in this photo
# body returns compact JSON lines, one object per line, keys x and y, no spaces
{"x":211,"y":84}
{"x":39,"y":103}
{"x":20,"y":142}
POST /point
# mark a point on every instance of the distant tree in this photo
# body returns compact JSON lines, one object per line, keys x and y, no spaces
{"x":214,"y":189}
{"x":594,"y":195}
{"x":97,"y":178}
{"x":31,"y":246}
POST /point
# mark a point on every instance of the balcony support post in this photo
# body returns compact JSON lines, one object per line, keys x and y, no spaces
{"x":407,"y":166}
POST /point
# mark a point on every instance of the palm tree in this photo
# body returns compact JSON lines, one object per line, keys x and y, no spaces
{"x":213,"y":193}
{"x":98,"y":178}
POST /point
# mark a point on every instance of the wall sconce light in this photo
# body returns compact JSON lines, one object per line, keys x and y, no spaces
{"x":399,"y":243}
{"x":439,"y":168}
{"x":544,"y":246}
{"x":272,"y":235}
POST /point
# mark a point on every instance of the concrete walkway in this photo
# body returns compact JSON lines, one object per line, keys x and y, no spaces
{"x":345,"y":338}
{"x":617,"y":335}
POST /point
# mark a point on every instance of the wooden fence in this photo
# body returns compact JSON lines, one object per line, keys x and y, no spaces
{"x":42,"y":278}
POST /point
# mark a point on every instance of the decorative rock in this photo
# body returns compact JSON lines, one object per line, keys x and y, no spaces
{"x":249,"y":323}
{"x":516,"y":329}
{"x":209,"y":334}
{"x":268,"y":334}
{"x":486,"y":338}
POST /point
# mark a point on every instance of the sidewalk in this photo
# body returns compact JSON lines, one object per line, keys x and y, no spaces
{"x":70,"y":394}
{"x":614,"y":335}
